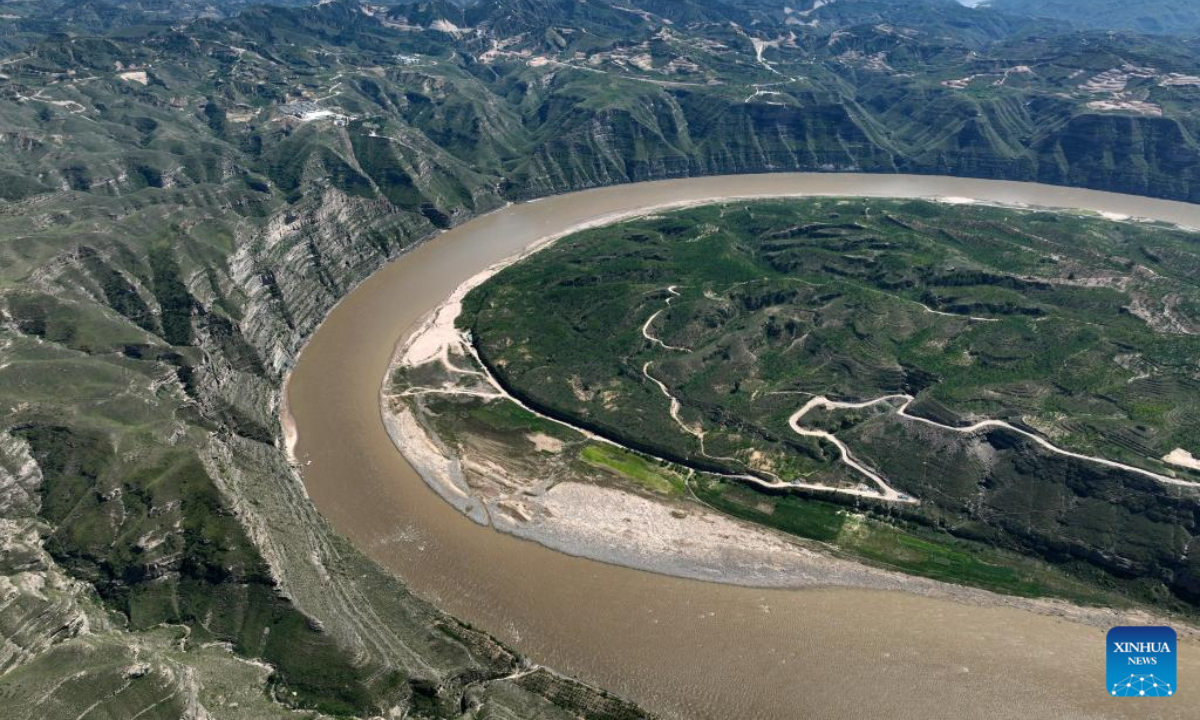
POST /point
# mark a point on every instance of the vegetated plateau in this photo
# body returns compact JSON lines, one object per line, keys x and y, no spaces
{"x":692,"y":339}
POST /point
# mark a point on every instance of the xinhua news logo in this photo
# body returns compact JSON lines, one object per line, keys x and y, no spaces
{"x":1141,"y":662}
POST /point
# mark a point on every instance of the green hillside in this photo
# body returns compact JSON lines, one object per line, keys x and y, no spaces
{"x":1074,"y":329}
{"x":1165,"y":17}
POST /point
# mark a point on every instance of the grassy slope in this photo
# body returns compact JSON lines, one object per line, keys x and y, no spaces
{"x":1168,"y":17}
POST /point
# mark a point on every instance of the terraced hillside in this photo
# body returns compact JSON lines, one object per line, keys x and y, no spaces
{"x":1028,"y":377}
{"x":182,"y":198}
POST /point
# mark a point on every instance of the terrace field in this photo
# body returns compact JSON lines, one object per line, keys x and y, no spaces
{"x":695,"y":336}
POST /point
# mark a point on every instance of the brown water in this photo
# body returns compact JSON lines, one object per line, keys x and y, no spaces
{"x":682,"y":648}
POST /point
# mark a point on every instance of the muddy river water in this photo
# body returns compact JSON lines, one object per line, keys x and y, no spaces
{"x":683,"y":648}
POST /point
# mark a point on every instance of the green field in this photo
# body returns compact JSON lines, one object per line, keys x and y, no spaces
{"x":634,"y":467}
{"x":906,"y":547}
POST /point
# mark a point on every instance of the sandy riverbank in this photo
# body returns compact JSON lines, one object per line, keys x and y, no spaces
{"x":683,"y":539}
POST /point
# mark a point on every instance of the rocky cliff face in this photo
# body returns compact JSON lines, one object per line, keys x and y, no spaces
{"x":176,"y":505}
{"x":199,"y":341}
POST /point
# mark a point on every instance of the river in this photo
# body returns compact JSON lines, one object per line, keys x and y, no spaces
{"x":682,"y":648}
